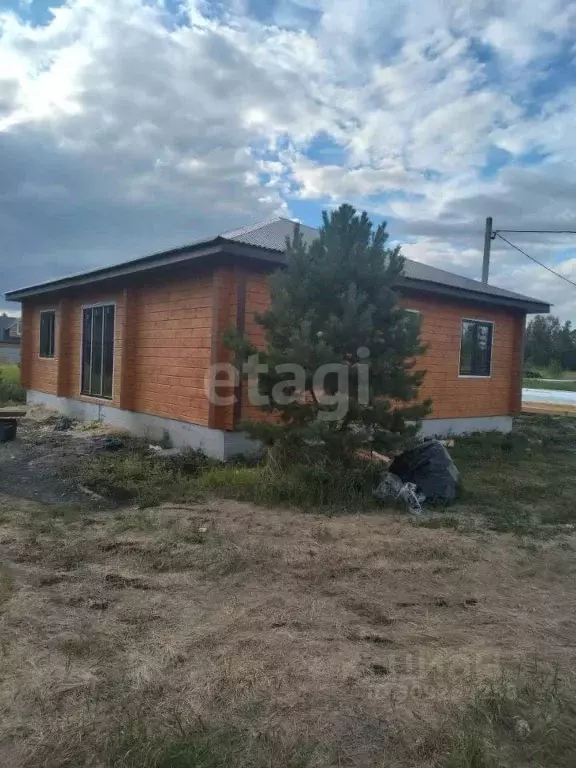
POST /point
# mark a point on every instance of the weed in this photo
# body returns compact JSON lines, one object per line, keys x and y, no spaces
{"x":166,"y":441}
{"x":441,"y":521}
{"x":521,"y":483}
{"x":67,"y":513}
{"x":6,"y":588}
{"x":529,"y":719}
{"x":143,"y":479}
{"x":11,"y":391}
{"x":307,"y":487}
{"x":183,"y":746}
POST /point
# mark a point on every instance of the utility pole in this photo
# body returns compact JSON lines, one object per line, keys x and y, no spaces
{"x":487,"y":244}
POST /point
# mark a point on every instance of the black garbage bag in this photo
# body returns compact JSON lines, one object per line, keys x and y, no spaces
{"x":430,"y":467}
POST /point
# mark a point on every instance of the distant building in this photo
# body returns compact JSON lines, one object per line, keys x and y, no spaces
{"x":10,"y":338}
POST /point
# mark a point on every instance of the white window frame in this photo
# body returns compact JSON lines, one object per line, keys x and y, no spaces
{"x":484,"y":322}
{"x":95,"y":305}
{"x":53,"y":355}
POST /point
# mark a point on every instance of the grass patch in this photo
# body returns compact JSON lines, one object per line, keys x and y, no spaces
{"x":549,"y":373}
{"x":11,"y":391}
{"x":520,"y":483}
{"x":182,"y":746}
{"x":6,"y":588}
{"x":306,"y":487}
{"x":566,"y":386}
{"x":134,"y":476}
{"x":530,"y":720}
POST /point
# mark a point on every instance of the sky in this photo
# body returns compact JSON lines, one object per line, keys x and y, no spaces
{"x":131,"y":126}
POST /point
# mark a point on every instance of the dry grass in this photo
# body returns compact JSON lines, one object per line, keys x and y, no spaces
{"x":225,"y":634}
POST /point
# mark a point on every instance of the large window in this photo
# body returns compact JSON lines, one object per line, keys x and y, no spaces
{"x":47,"y":333}
{"x":98,"y":350}
{"x":476,"y":348}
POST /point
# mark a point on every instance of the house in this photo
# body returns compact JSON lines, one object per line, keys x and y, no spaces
{"x":10,"y":333}
{"x":132,"y":344}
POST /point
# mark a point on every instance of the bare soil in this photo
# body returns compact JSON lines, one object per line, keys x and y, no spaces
{"x":353,"y":638}
{"x":351,"y":641}
{"x":39,"y":465}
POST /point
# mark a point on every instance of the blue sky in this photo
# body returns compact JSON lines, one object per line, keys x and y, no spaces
{"x":128,"y":126}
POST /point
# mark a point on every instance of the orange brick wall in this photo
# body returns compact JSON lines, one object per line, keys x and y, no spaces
{"x":162,"y":348}
{"x":257,"y":301}
{"x":171,"y":326}
{"x":169,"y":333}
{"x":227,"y":289}
{"x":37,"y":372}
{"x":454,"y":396}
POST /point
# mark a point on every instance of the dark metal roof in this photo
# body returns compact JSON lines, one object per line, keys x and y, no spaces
{"x":266,"y":241}
{"x":272,"y":236}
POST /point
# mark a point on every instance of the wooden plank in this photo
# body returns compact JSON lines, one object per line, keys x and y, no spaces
{"x":12,"y":413}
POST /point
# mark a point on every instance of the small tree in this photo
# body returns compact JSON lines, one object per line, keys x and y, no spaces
{"x":334,"y":312}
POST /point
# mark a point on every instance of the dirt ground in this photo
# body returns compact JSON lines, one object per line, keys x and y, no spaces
{"x":39,"y":464}
{"x":350,"y":637}
{"x":326,"y":642}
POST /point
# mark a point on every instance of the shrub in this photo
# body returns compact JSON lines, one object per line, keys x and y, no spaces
{"x":11,"y":391}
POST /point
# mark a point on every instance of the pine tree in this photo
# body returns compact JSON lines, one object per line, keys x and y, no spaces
{"x":334,"y":303}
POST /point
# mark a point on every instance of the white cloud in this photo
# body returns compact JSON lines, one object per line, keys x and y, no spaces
{"x":124,"y":129}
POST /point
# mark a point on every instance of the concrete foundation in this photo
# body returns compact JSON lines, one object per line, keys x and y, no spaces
{"x":214,"y":442}
{"x":463,"y":426}
{"x":221,"y":444}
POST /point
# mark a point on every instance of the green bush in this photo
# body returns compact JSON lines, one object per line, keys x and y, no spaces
{"x":11,"y":391}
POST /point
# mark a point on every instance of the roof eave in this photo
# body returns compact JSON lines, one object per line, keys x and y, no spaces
{"x":219,"y":245}
{"x":167,"y":258}
{"x":527,"y":305}
{"x":213,"y":247}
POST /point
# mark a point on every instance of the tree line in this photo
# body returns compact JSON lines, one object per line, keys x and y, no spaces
{"x":550,"y":344}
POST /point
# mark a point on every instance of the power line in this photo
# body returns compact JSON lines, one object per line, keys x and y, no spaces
{"x":562,"y":277}
{"x":537,"y":231}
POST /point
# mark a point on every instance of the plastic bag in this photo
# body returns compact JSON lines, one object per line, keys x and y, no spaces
{"x":392,"y":487}
{"x":430,"y":467}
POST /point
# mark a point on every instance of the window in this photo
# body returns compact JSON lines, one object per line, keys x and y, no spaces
{"x":98,"y":350}
{"x":476,"y":348}
{"x":47,"y":333}
{"x":413,"y":319}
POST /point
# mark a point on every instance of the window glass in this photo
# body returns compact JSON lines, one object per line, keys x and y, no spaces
{"x":47,"y":333}
{"x":98,"y":350}
{"x":476,"y":348}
